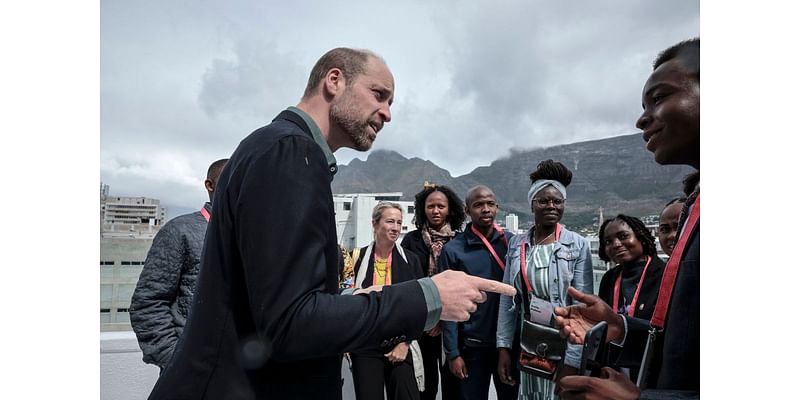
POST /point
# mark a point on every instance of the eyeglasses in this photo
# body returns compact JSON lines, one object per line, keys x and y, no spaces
{"x":544,"y":202}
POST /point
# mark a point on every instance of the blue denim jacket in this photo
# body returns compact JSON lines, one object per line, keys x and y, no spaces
{"x":571,"y":265}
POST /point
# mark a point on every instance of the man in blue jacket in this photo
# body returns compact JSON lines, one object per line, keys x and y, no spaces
{"x":470,"y":347}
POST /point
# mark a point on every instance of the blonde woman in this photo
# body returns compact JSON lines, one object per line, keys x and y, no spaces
{"x":383,"y":262}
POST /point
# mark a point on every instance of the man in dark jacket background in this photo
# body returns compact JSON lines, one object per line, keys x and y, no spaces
{"x":163,"y":295}
{"x":470,"y":346}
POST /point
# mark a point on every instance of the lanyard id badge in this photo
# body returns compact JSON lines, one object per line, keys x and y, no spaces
{"x":541,"y":311}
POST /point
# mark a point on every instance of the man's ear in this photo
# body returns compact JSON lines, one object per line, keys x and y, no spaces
{"x":334,"y":82}
{"x":209,"y":185}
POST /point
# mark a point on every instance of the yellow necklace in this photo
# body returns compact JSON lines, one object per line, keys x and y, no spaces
{"x":380,"y":266}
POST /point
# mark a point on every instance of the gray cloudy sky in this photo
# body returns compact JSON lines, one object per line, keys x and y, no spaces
{"x":182,"y":82}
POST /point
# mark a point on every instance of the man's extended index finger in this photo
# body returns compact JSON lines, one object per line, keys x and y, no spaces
{"x":488,"y":285}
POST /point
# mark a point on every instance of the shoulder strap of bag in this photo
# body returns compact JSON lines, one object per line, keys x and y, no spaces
{"x":523,"y":252}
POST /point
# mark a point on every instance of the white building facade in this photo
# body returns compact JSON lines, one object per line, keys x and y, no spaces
{"x":120,"y":212}
{"x":512,"y":223}
{"x":127,"y":228}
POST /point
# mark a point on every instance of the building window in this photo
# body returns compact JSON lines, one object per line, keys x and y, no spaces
{"x":122,"y":310}
{"x":125,"y":292}
{"x":106,"y":263}
{"x":405,"y":228}
{"x":410,"y":209}
{"x":106,"y":293}
{"x":105,"y":310}
{"x":126,"y":263}
{"x":346,"y":205}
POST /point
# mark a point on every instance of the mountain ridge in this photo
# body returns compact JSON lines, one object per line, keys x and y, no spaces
{"x":616,"y":174}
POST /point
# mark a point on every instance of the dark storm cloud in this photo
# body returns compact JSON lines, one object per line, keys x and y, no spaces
{"x":557,"y":72}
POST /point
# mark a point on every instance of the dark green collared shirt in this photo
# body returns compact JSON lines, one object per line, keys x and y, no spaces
{"x":317,"y":133}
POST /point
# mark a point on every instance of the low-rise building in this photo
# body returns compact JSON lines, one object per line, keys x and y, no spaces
{"x":512,"y":223}
{"x":127,"y":228}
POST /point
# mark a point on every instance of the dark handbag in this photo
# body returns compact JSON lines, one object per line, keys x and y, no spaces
{"x":542,"y":348}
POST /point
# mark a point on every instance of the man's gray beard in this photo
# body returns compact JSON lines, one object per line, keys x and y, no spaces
{"x":355,"y":129}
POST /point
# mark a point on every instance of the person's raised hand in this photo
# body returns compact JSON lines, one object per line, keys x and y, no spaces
{"x":612,"y":385}
{"x":574,"y":321}
{"x":460,"y":293}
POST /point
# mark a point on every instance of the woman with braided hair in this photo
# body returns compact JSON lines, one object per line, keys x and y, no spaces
{"x":438,"y":216}
{"x":631,"y":288}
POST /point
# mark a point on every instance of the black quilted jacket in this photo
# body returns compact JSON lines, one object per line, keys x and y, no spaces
{"x":163,"y":295}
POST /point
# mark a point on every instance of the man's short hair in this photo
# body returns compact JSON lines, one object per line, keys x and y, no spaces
{"x":686,"y":52}
{"x":352,"y":62}
{"x":215,"y":169}
{"x":472,"y":192}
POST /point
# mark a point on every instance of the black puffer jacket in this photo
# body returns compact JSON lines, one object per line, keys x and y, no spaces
{"x":163,"y":295}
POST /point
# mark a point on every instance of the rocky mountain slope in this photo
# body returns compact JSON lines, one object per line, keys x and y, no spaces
{"x":617,"y":174}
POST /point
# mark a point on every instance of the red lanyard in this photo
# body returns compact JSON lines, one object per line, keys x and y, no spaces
{"x":671,"y":270}
{"x":489,"y":246}
{"x":523,"y":265}
{"x":205,"y":213}
{"x":387,"y":279}
{"x":618,"y":284}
